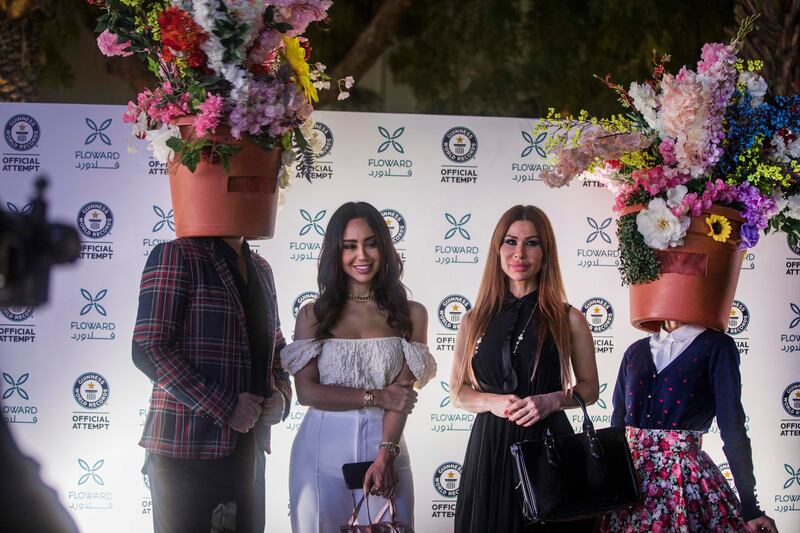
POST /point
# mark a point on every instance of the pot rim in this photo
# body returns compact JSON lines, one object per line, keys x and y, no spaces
{"x":727,"y":212}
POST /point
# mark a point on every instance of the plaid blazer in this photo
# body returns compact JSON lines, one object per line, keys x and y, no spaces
{"x":192,"y":329}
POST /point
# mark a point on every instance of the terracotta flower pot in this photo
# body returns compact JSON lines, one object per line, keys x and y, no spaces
{"x":698,"y":280}
{"x":211,"y":202}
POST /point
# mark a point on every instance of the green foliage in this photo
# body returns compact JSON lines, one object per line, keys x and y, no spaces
{"x":192,"y":151}
{"x":639,"y":197}
{"x":231,"y":36}
{"x":790,"y":226}
{"x":637,"y":261}
{"x":518,"y":57}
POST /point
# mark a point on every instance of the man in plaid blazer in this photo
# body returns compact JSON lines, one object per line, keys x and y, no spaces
{"x":207,"y":334}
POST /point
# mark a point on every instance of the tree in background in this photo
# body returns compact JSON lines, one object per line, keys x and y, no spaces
{"x":519,"y":57}
{"x":778,"y":40}
{"x":478,"y":57}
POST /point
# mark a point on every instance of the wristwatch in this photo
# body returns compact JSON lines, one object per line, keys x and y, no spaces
{"x":392,"y":447}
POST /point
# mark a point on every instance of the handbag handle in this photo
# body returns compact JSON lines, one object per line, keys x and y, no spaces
{"x":388,"y":506}
{"x":595,"y":448}
{"x":357,"y":508}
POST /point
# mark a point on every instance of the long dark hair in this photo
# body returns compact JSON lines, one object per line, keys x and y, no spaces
{"x":390,"y":293}
{"x":554,"y":323}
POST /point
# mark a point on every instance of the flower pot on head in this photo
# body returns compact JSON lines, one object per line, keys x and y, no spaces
{"x":698,"y":279}
{"x":211,"y":201}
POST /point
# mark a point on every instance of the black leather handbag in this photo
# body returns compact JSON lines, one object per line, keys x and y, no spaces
{"x":569,"y":477}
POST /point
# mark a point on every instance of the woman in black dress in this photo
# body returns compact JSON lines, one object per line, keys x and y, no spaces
{"x":513,"y":362}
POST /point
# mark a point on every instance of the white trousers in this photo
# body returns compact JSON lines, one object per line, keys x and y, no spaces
{"x":319,"y":499}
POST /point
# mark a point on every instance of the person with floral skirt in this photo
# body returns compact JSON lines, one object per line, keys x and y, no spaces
{"x":670,"y":387}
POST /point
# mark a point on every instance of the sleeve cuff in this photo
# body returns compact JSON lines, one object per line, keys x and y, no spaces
{"x":750,"y":508}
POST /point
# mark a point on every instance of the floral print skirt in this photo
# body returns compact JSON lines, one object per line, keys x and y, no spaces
{"x":681,"y":488}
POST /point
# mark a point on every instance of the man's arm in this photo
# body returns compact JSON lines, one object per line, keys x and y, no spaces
{"x":281,"y":381}
{"x":163,"y":300}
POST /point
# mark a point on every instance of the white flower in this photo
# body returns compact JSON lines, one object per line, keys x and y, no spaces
{"x":157,"y":142}
{"x":349,"y":82}
{"x":645,"y":102}
{"x":660,"y":228}
{"x":344,"y":95}
{"x":791,"y":204}
{"x":755,"y":85}
{"x":675,"y":195}
{"x":307,"y":127}
{"x":140,"y":126}
{"x":785,"y":152}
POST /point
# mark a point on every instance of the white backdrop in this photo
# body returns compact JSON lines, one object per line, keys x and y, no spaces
{"x":76,"y":403}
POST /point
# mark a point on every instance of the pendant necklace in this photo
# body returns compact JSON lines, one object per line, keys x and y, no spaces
{"x":522,"y":333}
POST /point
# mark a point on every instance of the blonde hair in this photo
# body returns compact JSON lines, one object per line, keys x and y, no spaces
{"x":553,"y":310}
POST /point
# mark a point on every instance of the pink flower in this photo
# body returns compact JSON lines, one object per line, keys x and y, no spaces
{"x":715,"y":56}
{"x":109,"y":45}
{"x":667,"y":150}
{"x":300,"y":13}
{"x":571,"y":162}
{"x":209,"y":115}
{"x":685,"y":103}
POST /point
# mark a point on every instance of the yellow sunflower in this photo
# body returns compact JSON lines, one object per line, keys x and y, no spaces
{"x":719,"y":226}
{"x":296,"y":56}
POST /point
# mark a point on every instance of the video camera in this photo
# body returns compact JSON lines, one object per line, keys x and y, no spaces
{"x":29,"y":246}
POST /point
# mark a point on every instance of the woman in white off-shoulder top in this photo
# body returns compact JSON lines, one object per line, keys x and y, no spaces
{"x":357,"y":353}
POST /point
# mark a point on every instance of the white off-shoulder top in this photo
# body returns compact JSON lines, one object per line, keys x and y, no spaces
{"x":360,"y":363}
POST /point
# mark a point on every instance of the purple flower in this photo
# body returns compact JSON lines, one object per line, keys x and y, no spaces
{"x":749,"y":234}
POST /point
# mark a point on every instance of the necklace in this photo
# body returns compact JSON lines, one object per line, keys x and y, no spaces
{"x":368,"y":298}
{"x":522,"y":333}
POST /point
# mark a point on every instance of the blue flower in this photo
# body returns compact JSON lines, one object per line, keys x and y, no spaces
{"x":749,"y":234}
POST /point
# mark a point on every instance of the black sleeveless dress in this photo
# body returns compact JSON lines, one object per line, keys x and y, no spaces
{"x":486,"y":497}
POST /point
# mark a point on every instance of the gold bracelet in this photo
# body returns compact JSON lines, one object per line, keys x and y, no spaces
{"x":392,"y":447}
{"x":369,"y":398}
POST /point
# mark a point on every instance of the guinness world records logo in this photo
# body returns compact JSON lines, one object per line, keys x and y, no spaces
{"x":452,"y":310}
{"x":301,"y":299}
{"x":396,"y":224}
{"x":447,"y":478}
{"x":727,"y":474}
{"x":327,"y":134}
{"x":795,"y":249}
{"x":17,"y":313}
{"x":95,"y":220}
{"x":739,"y":318}
{"x":599,"y":314}
{"x":791,"y":399}
{"x":459,"y":144}
{"x":21,"y":132}
{"x":90,"y":390}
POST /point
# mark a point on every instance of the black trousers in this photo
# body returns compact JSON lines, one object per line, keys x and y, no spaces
{"x":188,"y":497}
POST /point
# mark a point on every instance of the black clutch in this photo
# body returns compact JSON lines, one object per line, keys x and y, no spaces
{"x":354,"y":474}
{"x":560,"y":478}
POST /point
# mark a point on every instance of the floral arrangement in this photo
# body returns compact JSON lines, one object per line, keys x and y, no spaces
{"x":714,"y":135}
{"x":240,"y":64}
